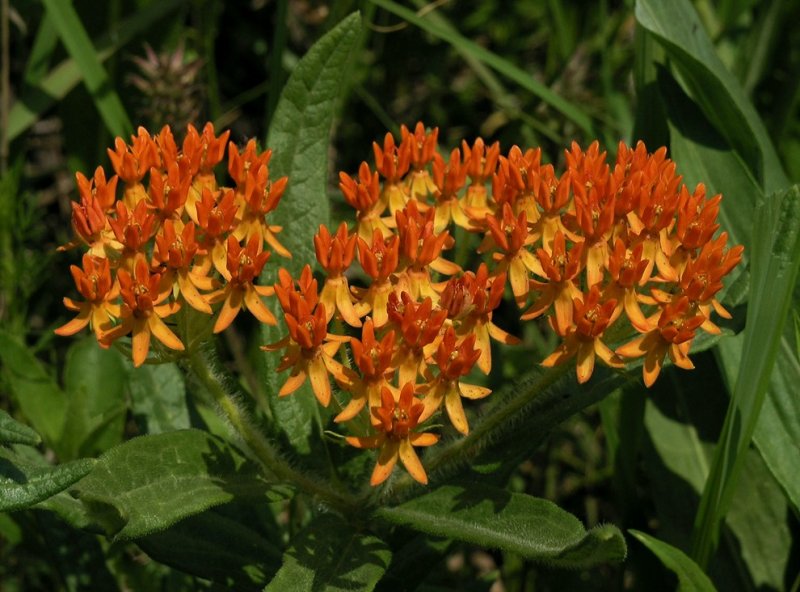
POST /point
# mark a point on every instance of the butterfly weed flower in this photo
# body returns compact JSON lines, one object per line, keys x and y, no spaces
{"x":335,"y":254}
{"x":379,"y":260}
{"x":98,"y":309}
{"x":395,"y":421}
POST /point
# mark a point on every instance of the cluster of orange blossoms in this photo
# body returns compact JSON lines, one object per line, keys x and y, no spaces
{"x":580,"y":248}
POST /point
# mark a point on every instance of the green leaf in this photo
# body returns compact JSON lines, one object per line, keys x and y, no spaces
{"x":64,"y":77}
{"x":147,"y":484}
{"x":331,"y":555}
{"x":13,"y":432}
{"x":775,"y":257}
{"x":678,"y":29}
{"x":216,"y":547}
{"x":504,"y":67}
{"x":299,"y":136}
{"x":79,"y":46}
{"x":23,"y":483}
{"x":35,"y":392}
{"x":93,"y":379}
{"x":534,"y":528}
{"x":690,"y":577}
{"x":158,"y":398}
{"x":683,"y":419}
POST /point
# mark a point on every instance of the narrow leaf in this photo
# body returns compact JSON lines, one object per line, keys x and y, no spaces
{"x":13,"y":432}
{"x":677,"y":27}
{"x":690,"y":577}
{"x":504,"y":67}
{"x":329,"y":555}
{"x":534,"y":528}
{"x":149,"y":483}
{"x":79,"y":46}
{"x":775,"y":258}
{"x":299,"y":135}
{"x":23,"y":484}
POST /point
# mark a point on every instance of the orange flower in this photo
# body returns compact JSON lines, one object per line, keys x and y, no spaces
{"x":591,"y":318}
{"x":243,"y":267}
{"x":168,"y":193}
{"x":133,"y":229}
{"x":379,"y":262}
{"x":104,"y":192}
{"x":96,"y":286}
{"x":454,"y":361}
{"x":261,"y":196}
{"x":419,"y":327}
{"x":216,"y":220}
{"x":420,"y":249}
{"x":364,"y":195}
{"x":335,"y":254}
{"x":449,"y":180}
{"x":518,"y":182}
{"x":202,"y":152}
{"x":470,"y":301}
{"x":393,"y":164}
{"x":422,"y":148}
{"x":562,"y":268}
{"x":374,"y":360}
{"x":395,"y":422}
{"x":132,"y":163}
{"x":676,"y":328}
{"x":626,"y":269}
{"x":142,"y":312}
{"x":176,"y":252}
{"x":309,"y":350}
{"x":481,"y":164}
{"x":510,"y":234}
{"x":90,"y":224}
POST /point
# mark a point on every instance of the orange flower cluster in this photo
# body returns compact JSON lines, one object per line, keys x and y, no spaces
{"x":172,"y":236}
{"x":602,"y":244}
{"x":599,"y":243}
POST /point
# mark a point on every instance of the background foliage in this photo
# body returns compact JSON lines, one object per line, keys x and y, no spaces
{"x":717,"y":82}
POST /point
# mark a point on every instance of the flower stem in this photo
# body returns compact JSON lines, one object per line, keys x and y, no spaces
{"x":203,"y":363}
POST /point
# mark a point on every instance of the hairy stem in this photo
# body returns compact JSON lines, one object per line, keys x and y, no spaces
{"x":203,"y":363}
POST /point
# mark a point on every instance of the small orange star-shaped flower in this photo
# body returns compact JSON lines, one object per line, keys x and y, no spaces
{"x":395,"y":421}
{"x":96,"y":286}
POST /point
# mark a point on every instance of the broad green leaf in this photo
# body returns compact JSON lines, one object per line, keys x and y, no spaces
{"x":683,"y":420}
{"x":573,"y":112}
{"x":775,"y":257}
{"x":690,"y":577}
{"x":13,"y":432}
{"x":63,"y":78}
{"x":35,"y":392}
{"x":299,"y":135}
{"x":147,"y":484}
{"x":218,"y":548}
{"x":93,"y":379}
{"x":330,"y":555}
{"x":676,"y":26}
{"x":413,"y":562}
{"x":158,"y":398}
{"x":24,"y":483}
{"x":534,"y":528}
{"x":79,"y":45}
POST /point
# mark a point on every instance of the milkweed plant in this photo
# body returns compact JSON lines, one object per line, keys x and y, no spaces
{"x":389,"y":331}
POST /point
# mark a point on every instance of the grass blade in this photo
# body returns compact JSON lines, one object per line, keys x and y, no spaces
{"x":79,"y":46}
{"x":504,"y":67}
{"x":64,"y":77}
{"x":774,"y":257}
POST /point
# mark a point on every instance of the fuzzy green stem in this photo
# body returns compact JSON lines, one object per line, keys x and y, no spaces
{"x":203,"y":363}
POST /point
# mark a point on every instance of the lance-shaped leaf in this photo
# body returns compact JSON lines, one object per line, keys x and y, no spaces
{"x":690,"y":577}
{"x":678,"y":29}
{"x":534,"y":528}
{"x":331,"y":555}
{"x":24,"y":483}
{"x":299,"y":135}
{"x":149,"y":483}
{"x":13,"y":432}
